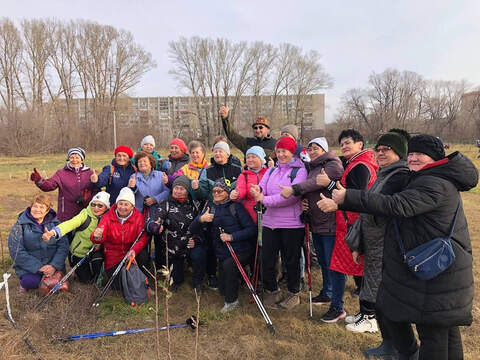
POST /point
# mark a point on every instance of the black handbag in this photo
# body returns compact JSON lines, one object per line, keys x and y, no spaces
{"x":353,"y":238}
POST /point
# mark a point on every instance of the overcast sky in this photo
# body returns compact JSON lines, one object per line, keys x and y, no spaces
{"x":438,"y":39}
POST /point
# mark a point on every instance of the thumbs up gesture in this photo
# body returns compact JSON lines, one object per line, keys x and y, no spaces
{"x":338,"y":195}
{"x":326,"y":205}
{"x":286,"y":192}
{"x":165,"y":178}
{"x":195,"y":184}
{"x":98,"y":233}
{"x":47,"y":234}
{"x":94,"y":177}
{"x":131,"y":181}
{"x":207,"y":217}
{"x":234,"y":194}
{"x":35,"y":176}
{"x":223,"y":111}
{"x":322,"y":179}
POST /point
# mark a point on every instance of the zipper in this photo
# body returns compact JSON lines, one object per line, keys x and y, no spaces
{"x":63,"y":204}
{"x":415,"y":268}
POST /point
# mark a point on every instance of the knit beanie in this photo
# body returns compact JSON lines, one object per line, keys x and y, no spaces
{"x":222,"y":145}
{"x":76,"y":150}
{"x":320,"y":141}
{"x":286,"y":143}
{"x":127,"y":195}
{"x":182,"y":180}
{"x":180,"y":143}
{"x":427,"y":144}
{"x":148,"y":140}
{"x":290,"y":129}
{"x":397,"y":139}
{"x":223,"y":184}
{"x":257,"y":150}
{"x":102,"y":197}
{"x":261,"y":121}
{"x":124,"y":149}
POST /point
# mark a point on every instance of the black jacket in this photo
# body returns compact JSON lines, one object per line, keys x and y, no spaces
{"x":424,"y":211}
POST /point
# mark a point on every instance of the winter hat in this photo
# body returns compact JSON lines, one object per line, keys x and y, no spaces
{"x":286,"y":143}
{"x":397,"y":139}
{"x":257,"y":150}
{"x":427,"y":144}
{"x":222,"y":145}
{"x":261,"y":121}
{"x":320,"y":141}
{"x":182,"y":180}
{"x":124,"y":149}
{"x":180,"y":143}
{"x":102,"y":197}
{"x":148,"y":140}
{"x":290,"y":129}
{"x":76,"y":150}
{"x":223,"y":184}
{"x":126,"y":194}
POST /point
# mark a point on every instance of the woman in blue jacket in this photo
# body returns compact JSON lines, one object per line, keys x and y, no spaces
{"x":32,"y":257}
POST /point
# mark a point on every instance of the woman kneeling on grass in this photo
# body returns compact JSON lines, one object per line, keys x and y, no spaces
{"x":33,"y":257}
{"x":83,"y":225}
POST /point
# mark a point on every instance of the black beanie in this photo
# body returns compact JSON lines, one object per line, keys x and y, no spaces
{"x":223,"y":184}
{"x":397,"y":139}
{"x":182,"y":180}
{"x":427,"y":144}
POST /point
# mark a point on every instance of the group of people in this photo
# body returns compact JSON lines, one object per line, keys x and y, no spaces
{"x":193,"y":209}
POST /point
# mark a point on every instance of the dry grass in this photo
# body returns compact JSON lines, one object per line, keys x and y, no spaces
{"x":241,"y":335}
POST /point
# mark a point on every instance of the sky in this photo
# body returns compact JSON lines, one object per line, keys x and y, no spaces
{"x":438,"y":39}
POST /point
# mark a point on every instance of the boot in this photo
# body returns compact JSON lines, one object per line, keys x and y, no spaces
{"x":386,"y":348}
{"x":270,"y":298}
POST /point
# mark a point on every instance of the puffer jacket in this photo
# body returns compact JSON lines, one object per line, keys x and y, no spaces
{"x":117,"y":238}
{"x":282,"y":213}
{"x":424,"y":211}
{"x":74,"y":190}
{"x":176,"y":164}
{"x":27,"y":249}
{"x":115,"y":180}
{"x":245,"y":181}
{"x":192,"y":170}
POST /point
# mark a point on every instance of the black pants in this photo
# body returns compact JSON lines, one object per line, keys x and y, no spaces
{"x":436,"y":342}
{"x":229,"y":275}
{"x":198,"y":256}
{"x":142,"y":259}
{"x":367,"y":307}
{"x":289,"y":243}
{"x":88,"y":271}
{"x":211,"y":258}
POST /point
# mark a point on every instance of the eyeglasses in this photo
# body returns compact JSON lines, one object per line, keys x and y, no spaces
{"x":382,"y":149}
{"x":217,"y":191}
{"x":97,"y":205}
{"x":258,"y":127}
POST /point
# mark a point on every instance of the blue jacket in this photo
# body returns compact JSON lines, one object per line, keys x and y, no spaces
{"x":234,"y":220}
{"x":152,"y":186}
{"x":27,"y":249}
{"x":116,"y":181}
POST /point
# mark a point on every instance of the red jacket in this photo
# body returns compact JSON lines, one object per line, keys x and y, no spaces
{"x":244,"y":182}
{"x":118,"y":238}
{"x":342,"y":260}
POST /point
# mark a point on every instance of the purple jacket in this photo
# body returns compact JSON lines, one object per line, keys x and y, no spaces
{"x":74,"y":190}
{"x":282,"y":213}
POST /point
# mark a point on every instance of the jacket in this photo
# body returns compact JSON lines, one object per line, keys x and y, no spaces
{"x":192,"y":170}
{"x":424,"y":211}
{"x":281,"y":212}
{"x":245,"y":181}
{"x":234,"y":220}
{"x":27,"y":249}
{"x":114,"y":182}
{"x":151,"y":186}
{"x":321,"y":223}
{"x":117,"y":238}
{"x":176,"y":164}
{"x":74,"y":190}
{"x":341,"y":260}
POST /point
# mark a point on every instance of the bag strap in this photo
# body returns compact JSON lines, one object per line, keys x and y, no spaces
{"x":454,"y":220}
{"x":345,"y":217}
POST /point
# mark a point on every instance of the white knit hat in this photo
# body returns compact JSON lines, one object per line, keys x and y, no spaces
{"x":222,"y":145}
{"x":148,"y":140}
{"x":102,"y":197}
{"x":127,"y":195}
{"x":320,"y":141}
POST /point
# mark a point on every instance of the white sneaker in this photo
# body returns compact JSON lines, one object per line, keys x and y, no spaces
{"x":367,"y":323}
{"x":353,"y":318}
{"x":230,"y":306}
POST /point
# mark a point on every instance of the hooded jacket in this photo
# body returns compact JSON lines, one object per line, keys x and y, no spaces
{"x":424,"y":211}
{"x":245,"y":181}
{"x":114,"y":182}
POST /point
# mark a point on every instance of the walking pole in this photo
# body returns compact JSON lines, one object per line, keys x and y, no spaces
{"x":270,"y":326}
{"x":258,"y":249}
{"x":62,"y":281}
{"x":309,"y":273}
{"x":115,"y":273}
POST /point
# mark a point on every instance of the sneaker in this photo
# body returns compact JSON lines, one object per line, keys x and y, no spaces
{"x":333,"y":315}
{"x":321,"y":299}
{"x":213,"y":282}
{"x":367,"y":323}
{"x":290,"y":301}
{"x":270,"y":298}
{"x":230,"y":306}
{"x":353,"y":318}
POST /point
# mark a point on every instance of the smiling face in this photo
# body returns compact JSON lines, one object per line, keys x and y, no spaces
{"x":179,"y":191}
{"x":197,"y":155}
{"x":175,"y":151}
{"x":148,"y":148}
{"x":314,"y":151}
{"x":350,"y":147}
{"x":122,"y":159}
{"x":260,"y":131}
{"x":98,"y":208}
{"x":38,"y":211}
{"x":417,"y":161}
{"x":385,"y":155}
{"x":220,"y":156}
{"x":283,"y":156}
{"x":219,"y":195}
{"x":144,"y":165}
{"x":253,"y":162}
{"x":124,"y":208}
{"x":75,"y":160}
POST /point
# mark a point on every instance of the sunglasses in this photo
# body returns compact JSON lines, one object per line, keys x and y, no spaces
{"x":258,"y":127}
{"x":100,"y":206}
{"x":383,"y":149}
{"x":217,"y":191}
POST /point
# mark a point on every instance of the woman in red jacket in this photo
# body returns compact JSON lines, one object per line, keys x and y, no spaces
{"x":117,"y":231}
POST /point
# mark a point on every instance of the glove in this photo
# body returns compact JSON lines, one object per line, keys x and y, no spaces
{"x":35,"y":176}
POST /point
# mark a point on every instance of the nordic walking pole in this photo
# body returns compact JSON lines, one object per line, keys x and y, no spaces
{"x":192,"y":322}
{"x":62,"y":281}
{"x":270,"y":326}
{"x":309,"y":272}
{"x":115,"y":273}
{"x":258,"y":249}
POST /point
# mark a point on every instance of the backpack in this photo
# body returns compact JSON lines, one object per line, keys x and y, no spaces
{"x":134,"y":284}
{"x":293,"y":173}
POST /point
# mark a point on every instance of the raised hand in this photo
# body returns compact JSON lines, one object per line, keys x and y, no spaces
{"x":195,"y":184}
{"x":94,"y":177}
{"x":207,"y":216}
{"x":326,"y":205}
{"x":270,"y":163}
{"x":47,"y":234}
{"x":223,"y":111}
{"x":234,"y":194}
{"x":165,"y":178}
{"x":35,"y":176}
{"x":322,"y":179}
{"x":131,"y":181}
{"x":286,"y":192}
{"x":98,"y":233}
{"x":338,"y":195}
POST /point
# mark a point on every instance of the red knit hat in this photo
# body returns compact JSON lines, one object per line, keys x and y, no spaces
{"x":180,"y":143}
{"x":286,"y":143}
{"x":124,"y":149}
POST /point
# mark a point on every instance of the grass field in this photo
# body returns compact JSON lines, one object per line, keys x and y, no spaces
{"x":240,"y":335}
